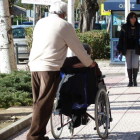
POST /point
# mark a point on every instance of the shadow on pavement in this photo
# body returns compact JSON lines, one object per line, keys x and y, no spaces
{"x":112,"y":136}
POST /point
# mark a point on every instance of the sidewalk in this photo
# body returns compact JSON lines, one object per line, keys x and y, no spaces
{"x":106,"y":68}
{"x":125,"y":107}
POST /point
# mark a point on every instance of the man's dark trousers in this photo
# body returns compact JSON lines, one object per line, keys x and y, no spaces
{"x":44,"y":88}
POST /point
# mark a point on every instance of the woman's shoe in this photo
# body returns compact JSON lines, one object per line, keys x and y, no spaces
{"x":130,"y":84}
{"x":135,"y":84}
{"x":135,"y":72}
{"x":129,"y":71}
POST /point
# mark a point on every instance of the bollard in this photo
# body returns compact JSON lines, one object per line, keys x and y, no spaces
{"x":16,"y":47}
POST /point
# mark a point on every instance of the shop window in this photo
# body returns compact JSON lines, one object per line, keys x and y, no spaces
{"x":116,"y":56}
{"x":118,"y":21}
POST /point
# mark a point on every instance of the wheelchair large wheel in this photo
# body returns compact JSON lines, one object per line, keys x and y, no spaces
{"x":56,"y":121}
{"x":102,"y":114}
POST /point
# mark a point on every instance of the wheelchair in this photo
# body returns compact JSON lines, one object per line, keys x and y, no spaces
{"x":102,"y":112}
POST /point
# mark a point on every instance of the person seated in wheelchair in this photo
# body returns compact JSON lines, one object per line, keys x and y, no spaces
{"x":77,"y":79}
{"x":72,"y":65}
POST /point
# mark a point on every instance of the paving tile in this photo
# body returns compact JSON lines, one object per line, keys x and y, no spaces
{"x":125,"y":106}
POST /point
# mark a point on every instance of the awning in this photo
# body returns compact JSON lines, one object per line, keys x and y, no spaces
{"x":119,"y":5}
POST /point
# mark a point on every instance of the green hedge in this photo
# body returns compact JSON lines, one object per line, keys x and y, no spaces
{"x":29,"y":36}
{"x":99,"y":42}
{"x":15,"y":89}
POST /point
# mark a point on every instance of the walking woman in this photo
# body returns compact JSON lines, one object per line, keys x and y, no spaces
{"x":129,"y":46}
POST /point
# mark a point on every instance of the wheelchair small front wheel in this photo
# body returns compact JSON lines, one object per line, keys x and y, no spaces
{"x":56,"y":121}
{"x":102,"y":114}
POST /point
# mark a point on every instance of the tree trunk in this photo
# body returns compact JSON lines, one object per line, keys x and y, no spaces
{"x":7,"y":53}
{"x":87,"y":12}
{"x":81,"y":19}
{"x":93,"y":24}
{"x":85,"y":22}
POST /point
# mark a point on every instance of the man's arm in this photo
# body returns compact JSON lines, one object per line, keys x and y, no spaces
{"x":70,"y":61}
{"x":75,"y":45}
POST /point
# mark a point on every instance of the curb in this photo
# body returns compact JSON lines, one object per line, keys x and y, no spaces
{"x":114,"y":74}
{"x":117,"y":74}
{"x":15,"y":127}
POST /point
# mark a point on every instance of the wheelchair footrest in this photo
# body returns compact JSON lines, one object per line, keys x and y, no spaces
{"x":108,"y":127}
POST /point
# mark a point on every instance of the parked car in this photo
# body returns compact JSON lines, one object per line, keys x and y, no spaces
{"x":27,"y":23}
{"x":76,"y":25}
{"x":96,"y":27}
{"x":19,"y":39}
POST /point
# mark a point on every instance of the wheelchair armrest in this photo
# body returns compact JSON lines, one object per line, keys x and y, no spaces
{"x":101,"y":77}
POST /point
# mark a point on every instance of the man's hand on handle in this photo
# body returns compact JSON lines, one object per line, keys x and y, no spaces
{"x":93,"y":64}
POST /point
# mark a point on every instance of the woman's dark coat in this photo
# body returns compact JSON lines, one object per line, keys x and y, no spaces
{"x":122,"y":45}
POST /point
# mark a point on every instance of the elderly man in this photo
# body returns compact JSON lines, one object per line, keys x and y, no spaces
{"x":51,"y":38}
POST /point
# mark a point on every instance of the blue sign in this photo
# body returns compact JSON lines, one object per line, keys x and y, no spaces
{"x":119,"y":5}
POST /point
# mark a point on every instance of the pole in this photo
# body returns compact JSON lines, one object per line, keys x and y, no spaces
{"x":127,"y":8}
{"x":106,"y":19}
{"x":34,"y":15}
{"x":109,"y":24}
{"x":21,"y":18}
{"x":70,"y":20}
{"x":81,"y":2}
{"x":71,"y":12}
{"x":30,"y":15}
{"x":127,"y":11}
{"x":40,"y":11}
{"x":16,"y":46}
{"x":96,"y":18}
{"x":17,"y":21}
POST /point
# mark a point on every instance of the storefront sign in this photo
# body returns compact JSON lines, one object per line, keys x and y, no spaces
{"x":40,"y":2}
{"x":123,"y":6}
{"x":103,"y":12}
{"x":119,"y":5}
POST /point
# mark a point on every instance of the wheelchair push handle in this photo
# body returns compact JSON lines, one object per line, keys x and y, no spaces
{"x":101,"y":78}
